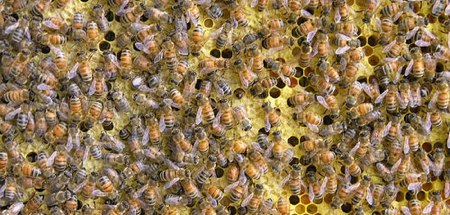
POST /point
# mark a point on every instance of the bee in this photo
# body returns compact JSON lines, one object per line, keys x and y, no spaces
{"x":132,"y":14}
{"x":253,"y":201}
{"x":272,"y":118}
{"x":105,"y":184}
{"x":61,"y":158}
{"x":233,"y":173}
{"x":331,"y":104}
{"x":112,"y":158}
{"x":241,"y":117}
{"x":206,"y":171}
{"x":157,"y":15}
{"x":438,"y":162}
{"x":390,"y":96}
{"x":396,"y":47}
{"x":239,"y":16}
{"x":182,"y":42}
{"x":33,"y":204}
{"x":214,"y":11}
{"x":386,"y":27}
{"x":307,"y":29}
{"x":294,"y":180}
{"x":179,"y":139}
{"x":305,"y":54}
{"x":121,"y":103}
{"x":125,"y":64}
{"x":331,"y":179}
{"x":82,"y":67}
{"x":315,"y":189}
{"x":321,"y":84}
{"x":441,"y":97}
{"x":223,"y":35}
{"x":413,"y":208}
{"x":28,"y":170}
{"x":16,"y":96}
{"x":282,"y":206}
{"x":435,"y":119}
{"x":167,"y":117}
{"x":246,"y":75}
{"x":100,"y":19}
{"x":190,"y":189}
{"x":275,"y":42}
{"x":393,"y":128}
{"x":205,"y":111}
{"x":418,"y":124}
{"x":351,"y":166}
{"x":124,"y":39}
{"x":108,"y":123}
{"x":152,"y":131}
{"x":93,"y":115}
{"x":198,"y":39}
{"x":169,"y":54}
{"x":361,"y":191}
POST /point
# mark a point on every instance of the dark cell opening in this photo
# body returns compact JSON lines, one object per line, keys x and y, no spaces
{"x":327,"y":120}
{"x":275,"y":93}
{"x":372,"y":40}
{"x":109,"y":16}
{"x":280,"y":83}
{"x":239,"y":93}
{"x":215,"y":53}
{"x":294,"y":199}
{"x":110,"y":36}
{"x":32,"y":157}
{"x":293,"y":141}
{"x":227,"y":53}
{"x":303,"y":81}
{"x":45,"y":50}
{"x":219,"y":172}
{"x":104,"y":46}
{"x":346,"y":208}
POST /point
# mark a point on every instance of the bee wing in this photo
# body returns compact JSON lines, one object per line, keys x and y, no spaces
{"x":118,"y":145}
{"x":191,"y":18}
{"x":389,"y":46}
{"x":405,"y":210}
{"x":353,"y":187}
{"x":69,"y":144}
{"x":428,"y":32}
{"x":98,"y":193}
{"x":244,"y":81}
{"x":92,"y":88}
{"x":284,"y":181}
{"x":145,"y":136}
{"x":50,"y":24}
{"x":141,"y":190}
{"x":73,"y":71}
{"x":430,"y":205}
{"x":313,"y":127}
{"x":323,"y":186}
{"x":199,"y":116}
{"x":380,"y":98}
{"x":436,"y":6}
{"x":447,"y":10}
{"x":15,"y":208}
{"x":267,"y":124}
{"x":406,"y":146}
{"x":11,"y":28}
{"x":76,"y":143}
{"x":2,"y":190}
{"x":258,"y":148}
{"x":79,"y":186}
{"x":159,"y":56}
{"x":113,"y":59}
{"x":247,"y":200}
{"x":398,"y":15}
{"x":432,"y":103}
{"x":411,"y":33}
{"x":12,"y":114}
{"x":447,"y":189}
{"x":342,"y":50}
{"x":214,"y":35}
{"x":121,"y":10}
{"x":386,"y":129}
{"x":272,"y":51}
{"x":395,"y":166}
{"x":323,"y":102}
{"x":268,"y":151}
{"x":414,"y":186}
{"x":352,"y":152}
{"x":51,"y":159}
{"x":306,"y":14}
{"x":286,"y":80}
{"x":311,"y":35}
{"x":285,"y":4}
{"x":369,"y":196}
{"x":337,"y":16}
{"x":169,"y":184}
{"x":409,"y":68}
{"x":253,"y":3}
{"x":231,"y":186}
{"x":142,"y":47}
{"x":311,"y":193}
{"x":428,"y":122}
{"x":162,"y":124}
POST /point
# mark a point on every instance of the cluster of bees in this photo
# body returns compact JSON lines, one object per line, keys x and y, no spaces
{"x":163,"y":107}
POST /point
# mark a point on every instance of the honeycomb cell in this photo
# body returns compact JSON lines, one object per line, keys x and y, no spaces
{"x":300,"y":209}
{"x":294,"y":200}
{"x":295,"y":160}
{"x":293,"y":141}
{"x":275,"y":93}
{"x":110,"y":36}
{"x":439,"y":67}
{"x":239,"y":93}
{"x":31,"y":157}
{"x":346,"y":208}
{"x":328,"y":198}
{"x":280,"y":83}
{"x":296,"y":51}
{"x":312,"y":208}
{"x":209,"y":23}
{"x":227,"y":53}
{"x":427,"y":146}
{"x":372,"y":40}
{"x":438,"y":145}
{"x":303,"y":81}
{"x":299,"y":72}
{"x":215,"y":53}
{"x":232,"y":210}
{"x":109,"y":16}
{"x":362,"y":40}
{"x":294,"y":82}
{"x":327,"y":120}
{"x":219,"y":172}
{"x":307,"y":71}
{"x":374,"y":60}
{"x":400,"y":196}
{"x":45,"y":50}
{"x":305,"y":199}
{"x":311,"y":168}
{"x":427,"y":186}
{"x":104,"y":45}
{"x":362,"y":79}
{"x":368,"y":51}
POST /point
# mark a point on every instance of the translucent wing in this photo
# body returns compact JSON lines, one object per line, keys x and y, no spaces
{"x":322,"y":101}
{"x":428,"y":208}
{"x":389,"y":46}
{"x":12,"y":114}
{"x":380,"y":98}
{"x":354,"y":149}
{"x":169,"y":184}
{"x":247,"y":200}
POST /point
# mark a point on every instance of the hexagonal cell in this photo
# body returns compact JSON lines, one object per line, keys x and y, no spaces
{"x":427,"y":146}
{"x":400,"y":196}
{"x":300,"y":209}
{"x":303,"y":81}
{"x":208,"y":23}
{"x":293,"y":199}
{"x":346,"y":208}
{"x":374,"y":60}
{"x":296,"y":51}
{"x":232,"y":210}
{"x":219,"y":172}
{"x":299,"y":72}
{"x":372,"y":40}
{"x":368,"y":51}
{"x":362,"y":40}
{"x":421,"y":196}
{"x":438,"y":145}
{"x":305,"y":199}
{"x":215,"y":53}
{"x":227,"y":53}
{"x":31,"y":157}
{"x":328,"y":198}
{"x":280,"y":83}
{"x":312,"y":208}
{"x":427,"y":186}
{"x":239,"y":93}
{"x":275,"y":93}
{"x":327,"y":120}
{"x":110,"y":36}
{"x":293,"y":141}
{"x":307,"y":71}
{"x":294,"y":82}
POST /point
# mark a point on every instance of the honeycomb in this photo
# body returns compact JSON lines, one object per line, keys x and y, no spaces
{"x":277,"y":96}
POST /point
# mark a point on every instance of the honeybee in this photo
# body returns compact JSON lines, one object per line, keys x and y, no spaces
{"x":82,"y":67}
{"x":438,"y":161}
{"x":205,"y":111}
{"x":307,"y":29}
{"x":321,"y":84}
{"x":206,"y":171}
{"x":33,"y":204}
{"x":155,"y":14}
{"x":223,"y":35}
{"x":272,"y":118}
{"x":413,"y":208}
{"x":197,"y":38}
{"x":329,"y":72}
{"x":331,"y":104}
{"x":391,"y":98}
{"x":441,"y":97}
{"x":93,"y":115}
{"x":167,"y":117}
{"x":275,"y":42}
{"x":418,"y":124}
